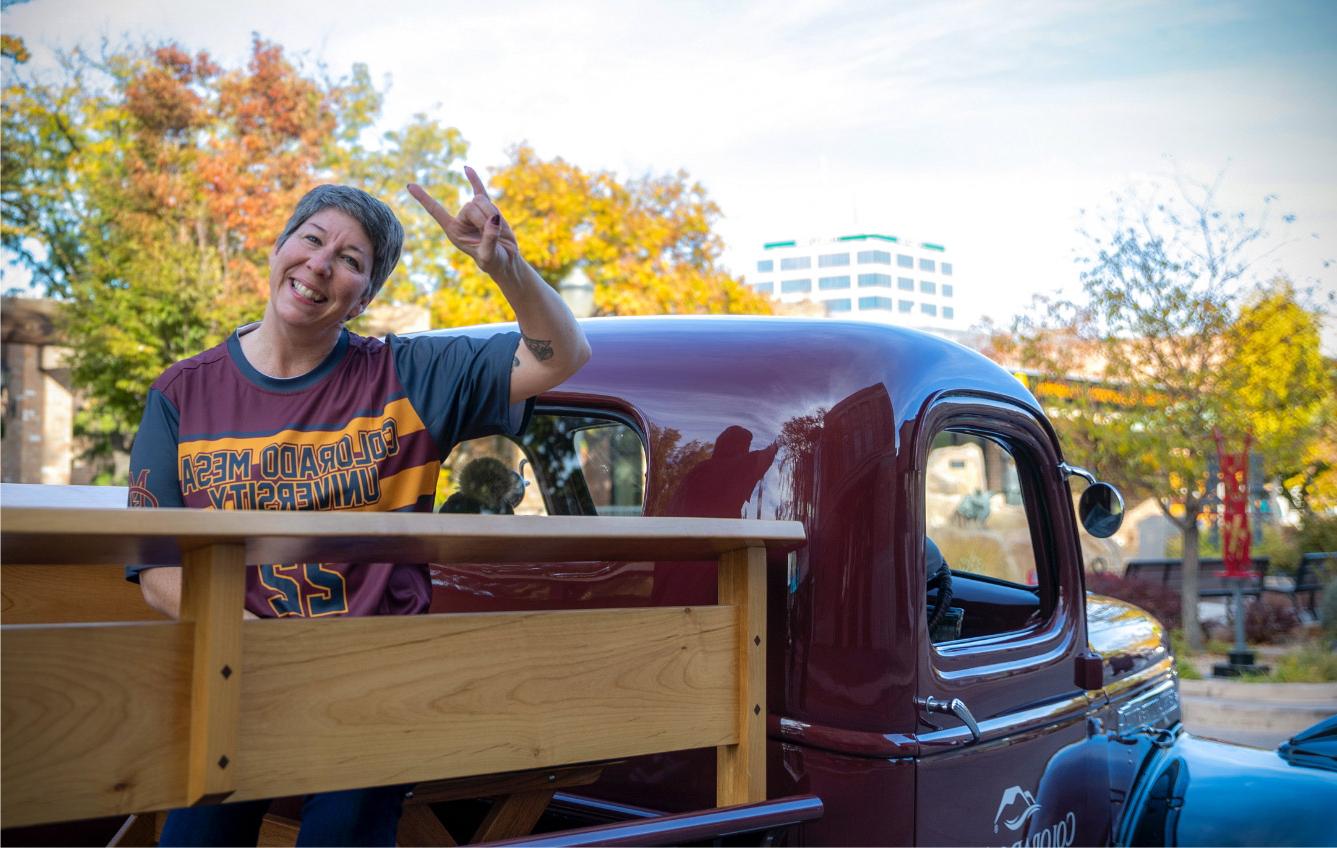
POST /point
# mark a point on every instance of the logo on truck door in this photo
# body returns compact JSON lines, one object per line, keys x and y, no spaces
{"x":1019,"y":805}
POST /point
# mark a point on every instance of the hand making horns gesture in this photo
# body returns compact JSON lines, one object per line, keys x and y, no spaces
{"x":478,"y":229}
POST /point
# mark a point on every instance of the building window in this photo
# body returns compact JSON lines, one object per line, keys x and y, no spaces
{"x":928,"y":309}
{"x":833,"y":260}
{"x":905,"y":306}
{"x":927,"y":265}
{"x":840,"y":304}
{"x":946,"y":289}
{"x":927,"y":287}
{"x":795,"y":263}
{"x":905,"y":284}
{"x":792,"y":286}
{"x":766,"y":265}
{"x":828,"y":283}
{"x":947,"y":269}
{"x":904,"y":261}
{"x":948,"y":312}
{"x":874,"y":257}
{"x":767,"y":287}
{"x":875,"y":303}
{"x":871,"y":280}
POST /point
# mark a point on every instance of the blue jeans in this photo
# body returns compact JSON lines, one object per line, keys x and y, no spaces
{"x":350,"y":817}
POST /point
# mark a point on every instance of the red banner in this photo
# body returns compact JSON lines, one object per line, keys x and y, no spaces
{"x":1235,"y":537}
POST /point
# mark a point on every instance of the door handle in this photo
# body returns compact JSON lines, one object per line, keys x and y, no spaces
{"x":955,"y":707}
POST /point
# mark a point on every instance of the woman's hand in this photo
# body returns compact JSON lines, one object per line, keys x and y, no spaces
{"x":479,"y":229}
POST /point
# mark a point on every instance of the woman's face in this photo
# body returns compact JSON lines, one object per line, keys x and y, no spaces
{"x":320,"y":277}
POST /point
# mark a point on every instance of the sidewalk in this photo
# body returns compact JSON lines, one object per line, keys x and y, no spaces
{"x":1259,"y":714}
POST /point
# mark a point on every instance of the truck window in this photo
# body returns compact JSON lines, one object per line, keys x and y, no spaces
{"x":564,"y":464}
{"x":975,"y":516}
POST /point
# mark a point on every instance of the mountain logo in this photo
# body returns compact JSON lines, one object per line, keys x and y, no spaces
{"x":1018,"y":805}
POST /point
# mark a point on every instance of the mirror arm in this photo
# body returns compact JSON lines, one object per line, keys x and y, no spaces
{"x":1078,"y":471}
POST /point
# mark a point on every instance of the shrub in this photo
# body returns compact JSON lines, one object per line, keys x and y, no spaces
{"x":1267,"y":623}
{"x":1160,"y":601}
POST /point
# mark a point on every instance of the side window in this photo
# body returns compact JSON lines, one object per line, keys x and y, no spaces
{"x":978,"y":528}
{"x":564,"y":464}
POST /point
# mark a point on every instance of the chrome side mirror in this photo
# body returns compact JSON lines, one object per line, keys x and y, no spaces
{"x":1101,"y":505}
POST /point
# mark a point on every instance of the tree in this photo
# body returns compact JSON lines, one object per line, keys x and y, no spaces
{"x":1157,"y":357}
{"x":646,"y":244}
{"x":144,"y":189}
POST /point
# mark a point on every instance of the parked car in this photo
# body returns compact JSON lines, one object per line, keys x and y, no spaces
{"x":1031,"y":713}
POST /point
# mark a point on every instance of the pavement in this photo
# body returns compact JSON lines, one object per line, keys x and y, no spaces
{"x":1262,"y":715}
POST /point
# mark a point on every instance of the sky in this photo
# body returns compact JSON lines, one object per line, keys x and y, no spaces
{"x":986,"y":127}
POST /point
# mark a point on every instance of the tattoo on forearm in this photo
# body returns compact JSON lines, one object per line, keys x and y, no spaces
{"x":541,"y":349}
{"x":516,"y":362}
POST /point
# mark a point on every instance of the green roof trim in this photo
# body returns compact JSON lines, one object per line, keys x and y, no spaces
{"x":866,"y":236}
{"x":770,"y":244}
{"x":936,"y":247}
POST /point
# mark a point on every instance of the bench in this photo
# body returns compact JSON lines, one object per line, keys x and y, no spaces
{"x":1212,"y":582}
{"x":124,"y":717}
{"x":1312,"y":574}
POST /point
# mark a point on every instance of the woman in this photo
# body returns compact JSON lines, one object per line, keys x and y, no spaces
{"x":295,"y":412}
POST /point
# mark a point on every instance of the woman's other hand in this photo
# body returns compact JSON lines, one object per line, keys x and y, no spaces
{"x":478,"y":229}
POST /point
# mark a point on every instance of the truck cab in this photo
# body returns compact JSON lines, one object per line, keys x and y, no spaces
{"x":1025,"y":712}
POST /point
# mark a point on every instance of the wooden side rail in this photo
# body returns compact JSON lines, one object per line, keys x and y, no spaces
{"x":120,"y":717}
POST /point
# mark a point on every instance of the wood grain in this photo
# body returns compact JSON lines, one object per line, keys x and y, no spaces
{"x":213,"y":595}
{"x":332,"y":704}
{"x":162,"y":536}
{"x":95,"y":720}
{"x":741,"y":768}
{"x":42,"y":594}
{"x":418,"y":825}
{"x":513,"y":815}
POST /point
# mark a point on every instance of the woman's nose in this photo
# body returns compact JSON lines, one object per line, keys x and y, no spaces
{"x":320,"y":261}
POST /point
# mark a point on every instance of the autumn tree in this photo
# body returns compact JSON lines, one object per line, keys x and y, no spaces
{"x":1158,"y":355}
{"x":647,"y":244}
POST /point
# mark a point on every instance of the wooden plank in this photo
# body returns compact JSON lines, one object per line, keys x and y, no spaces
{"x":40,"y":594}
{"x":137,"y":832}
{"x":161,"y":536}
{"x":332,"y":704}
{"x":95,"y":720}
{"x":741,"y":768}
{"x":213,"y":596}
{"x":418,"y":825}
{"x":513,"y":815}
{"x":277,"y":832}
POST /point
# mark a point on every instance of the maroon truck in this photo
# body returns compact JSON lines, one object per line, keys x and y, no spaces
{"x":936,"y":672}
{"x":986,"y":701}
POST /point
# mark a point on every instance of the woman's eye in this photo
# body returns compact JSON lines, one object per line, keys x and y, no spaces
{"x":352,"y":263}
{"x":312,"y":239}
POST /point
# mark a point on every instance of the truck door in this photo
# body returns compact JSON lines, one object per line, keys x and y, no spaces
{"x":1001,"y":650}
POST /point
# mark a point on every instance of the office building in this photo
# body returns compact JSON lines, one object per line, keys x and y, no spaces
{"x":869,"y":275}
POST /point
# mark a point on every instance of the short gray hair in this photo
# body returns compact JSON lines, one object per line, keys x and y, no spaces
{"x":376,"y":218}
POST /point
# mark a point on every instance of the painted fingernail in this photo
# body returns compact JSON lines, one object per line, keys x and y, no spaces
{"x":496,"y":220}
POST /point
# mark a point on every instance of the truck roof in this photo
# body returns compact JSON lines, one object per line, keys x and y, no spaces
{"x":764,"y":370}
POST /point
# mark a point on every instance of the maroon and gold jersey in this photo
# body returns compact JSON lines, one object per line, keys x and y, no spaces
{"x":366,"y":430}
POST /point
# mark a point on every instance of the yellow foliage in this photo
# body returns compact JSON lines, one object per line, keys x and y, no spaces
{"x":646,"y":244}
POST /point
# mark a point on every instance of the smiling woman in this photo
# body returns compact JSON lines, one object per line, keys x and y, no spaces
{"x":294,"y":412}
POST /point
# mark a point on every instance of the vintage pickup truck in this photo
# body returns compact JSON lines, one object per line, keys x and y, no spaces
{"x":935,"y":672}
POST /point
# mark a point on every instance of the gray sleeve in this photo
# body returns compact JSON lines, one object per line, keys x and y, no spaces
{"x":154,"y":479}
{"x":461,"y":386}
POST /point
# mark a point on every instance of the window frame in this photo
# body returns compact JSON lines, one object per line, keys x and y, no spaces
{"x":1020,"y":432}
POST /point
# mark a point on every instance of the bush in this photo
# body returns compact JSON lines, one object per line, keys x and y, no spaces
{"x":1160,"y":601}
{"x":1318,"y":533}
{"x":1313,"y":663}
{"x":1267,"y":623}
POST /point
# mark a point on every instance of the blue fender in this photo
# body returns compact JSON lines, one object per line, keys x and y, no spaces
{"x":1203,"y":792}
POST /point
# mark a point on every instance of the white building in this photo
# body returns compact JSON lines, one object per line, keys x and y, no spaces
{"x":872,"y":276}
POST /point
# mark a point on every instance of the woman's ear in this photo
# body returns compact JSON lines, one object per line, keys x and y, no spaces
{"x":360,"y":308}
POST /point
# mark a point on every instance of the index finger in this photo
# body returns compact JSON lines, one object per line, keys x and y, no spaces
{"x":435,"y":209}
{"x":476,"y":182}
